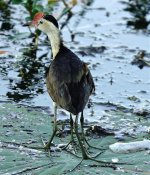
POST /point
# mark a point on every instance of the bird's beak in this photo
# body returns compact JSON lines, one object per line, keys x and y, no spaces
{"x":26,"y":24}
{"x":33,"y":24}
{"x":30,"y":24}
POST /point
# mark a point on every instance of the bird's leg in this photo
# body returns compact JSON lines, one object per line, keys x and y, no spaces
{"x":82,"y":125}
{"x":71,"y":127}
{"x":48,"y":145}
{"x":83,"y":149}
{"x":85,"y":155}
{"x":84,"y":152}
{"x":71,"y":131}
{"x":83,"y":134}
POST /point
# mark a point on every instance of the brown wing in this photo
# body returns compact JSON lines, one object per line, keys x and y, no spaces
{"x":69,"y":82}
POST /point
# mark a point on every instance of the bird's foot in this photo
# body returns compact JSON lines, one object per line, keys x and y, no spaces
{"x":53,"y":148}
{"x":85,"y":141}
{"x":72,"y":143}
{"x":47,"y":146}
{"x":101,"y":163}
{"x":94,"y":147}
{"x":71,"y":147}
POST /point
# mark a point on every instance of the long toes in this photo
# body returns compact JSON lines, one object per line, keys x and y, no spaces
{"x":46,"y":147}
{"x":102,"y":149}
{"x":91,"y":146}
{"x":97,"y":154}
{"x":70,"y":145}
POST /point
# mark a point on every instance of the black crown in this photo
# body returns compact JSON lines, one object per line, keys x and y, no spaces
{"x":51,"y":19}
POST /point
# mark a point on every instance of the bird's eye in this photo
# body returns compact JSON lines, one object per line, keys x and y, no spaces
{"x":41,"y":22}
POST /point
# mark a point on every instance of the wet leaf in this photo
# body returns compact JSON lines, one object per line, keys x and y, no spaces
{"x":38,"y":8}
{"x":21,"y":154}
{"x":17,"y":1}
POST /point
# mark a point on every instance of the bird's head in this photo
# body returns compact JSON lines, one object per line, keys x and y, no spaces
{"x":45,"y":23}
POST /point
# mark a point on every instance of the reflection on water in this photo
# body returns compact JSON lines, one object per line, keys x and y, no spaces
{"x":28,"y":69}
{"x":6,"y":16}
{"x":140,"y":9}
{"x":31,"y":71}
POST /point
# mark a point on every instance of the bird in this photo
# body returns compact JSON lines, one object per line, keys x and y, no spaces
{"x":68,"y":79}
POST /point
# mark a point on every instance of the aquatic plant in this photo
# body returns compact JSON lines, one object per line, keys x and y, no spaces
{"x":139,"y":9}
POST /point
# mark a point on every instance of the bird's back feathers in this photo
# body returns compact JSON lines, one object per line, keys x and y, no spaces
{"x":69,"y":81}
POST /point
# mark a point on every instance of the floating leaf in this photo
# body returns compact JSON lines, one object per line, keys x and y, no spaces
{"x":21,"y":129}
{"x":3,"y":52}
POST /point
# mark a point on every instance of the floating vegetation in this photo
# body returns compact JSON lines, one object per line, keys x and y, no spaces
{"x":139,"y":9}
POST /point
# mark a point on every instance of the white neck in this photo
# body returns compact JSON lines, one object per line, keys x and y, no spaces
{"x":54,"y":37}
{"x":53,"y":34}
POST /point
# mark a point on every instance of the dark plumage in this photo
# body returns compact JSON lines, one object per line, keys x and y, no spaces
{"x":51,"y":19}
{"x":69,"y":81}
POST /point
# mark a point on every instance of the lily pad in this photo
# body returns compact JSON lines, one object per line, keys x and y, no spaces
{"x":20,"y":147}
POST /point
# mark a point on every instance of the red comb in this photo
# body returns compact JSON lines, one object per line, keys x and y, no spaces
{"x":37,"y":17}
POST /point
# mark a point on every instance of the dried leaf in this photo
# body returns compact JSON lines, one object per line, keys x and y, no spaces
{"x":73,"y":2}
{"x":3,"y":52}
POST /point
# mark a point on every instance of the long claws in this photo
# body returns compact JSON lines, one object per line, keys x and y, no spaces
{"x":101,"y":163}
{"x":104,"y":164}
{"x":97,"y":155}
{"x":66,"y":146}
{"x":91,"y":145}
{"x":77,"y":165}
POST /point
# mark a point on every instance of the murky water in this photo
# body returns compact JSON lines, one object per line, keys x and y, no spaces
{"x":102,"y":35}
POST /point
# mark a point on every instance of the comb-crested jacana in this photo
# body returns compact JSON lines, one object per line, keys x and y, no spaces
{"x":69,"y":81}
